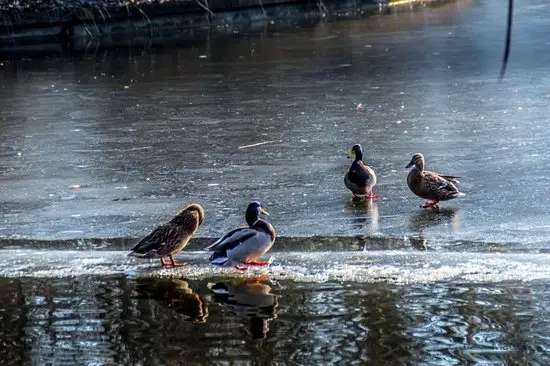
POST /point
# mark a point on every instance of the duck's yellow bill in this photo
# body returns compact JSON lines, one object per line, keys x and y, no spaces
{"x":351,"y":154}
{"x":264,"y":212}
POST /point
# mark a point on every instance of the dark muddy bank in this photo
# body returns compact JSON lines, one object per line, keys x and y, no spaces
{"x":74,"y":25}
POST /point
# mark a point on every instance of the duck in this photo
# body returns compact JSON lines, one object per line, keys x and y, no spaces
{"x":360,"y":178}
{"x":169,"y":239}
{"x":431,"y":186}
{"x":242,"y":247}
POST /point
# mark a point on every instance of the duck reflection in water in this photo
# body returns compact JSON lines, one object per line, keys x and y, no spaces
{"x":430,"y":218}
{"x":249,"y":298}
{"x":366,"y":212}
{"x":176,"y":295}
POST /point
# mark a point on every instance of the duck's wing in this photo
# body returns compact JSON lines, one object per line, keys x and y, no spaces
{"x":451,"y":178}
{"x":251,"y":246}
{"x":361,"y":175}
{"x":440,"y":185}
{"x":162,"y":240}
{"x":231,"y":239}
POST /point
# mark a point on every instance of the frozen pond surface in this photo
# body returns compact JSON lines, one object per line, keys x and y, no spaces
{"x":142,"y":133}
{"x":98,"y":149}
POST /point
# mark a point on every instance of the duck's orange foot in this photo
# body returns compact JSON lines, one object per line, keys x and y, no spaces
{"x":255,"y":263}
{"x":240,"y":268}
{"x":431,"y":203}
{"x":172,"y":263}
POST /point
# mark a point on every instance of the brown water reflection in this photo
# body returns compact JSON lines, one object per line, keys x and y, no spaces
{"x":148,"y":321}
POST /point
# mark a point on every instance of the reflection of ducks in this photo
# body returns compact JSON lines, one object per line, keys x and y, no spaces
{"x":420,"y":243}
{"x":176,"y":295}
{"x":360,"y":178}
{"x":366,"y":212}
{"x":430,"y":185}
{"x":250,"y":298}
{"x":170,"y":238}
{"x":430,"y":218}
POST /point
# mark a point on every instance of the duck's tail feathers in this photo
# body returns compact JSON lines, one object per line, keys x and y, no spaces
{"x":150,"y":254}
{"x":211,"y":245}
{"x":459,"y":194}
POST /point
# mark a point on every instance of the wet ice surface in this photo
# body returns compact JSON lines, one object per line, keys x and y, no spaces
{"x":111,"y":145}
{"x":400,"y":267}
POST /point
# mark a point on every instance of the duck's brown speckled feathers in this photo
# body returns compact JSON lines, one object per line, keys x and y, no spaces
{"x":430,"y":185}
{"x":170,"y":238}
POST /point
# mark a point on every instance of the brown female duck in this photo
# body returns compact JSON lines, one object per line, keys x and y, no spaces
{"x":360,"y":179}
{"x":170,"y":238}
{"x":429,"y":185}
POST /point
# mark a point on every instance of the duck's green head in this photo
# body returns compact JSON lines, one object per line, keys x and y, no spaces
{"x":418,"y":161}
{"x":356,"y":152}
{"x":253,"y":212}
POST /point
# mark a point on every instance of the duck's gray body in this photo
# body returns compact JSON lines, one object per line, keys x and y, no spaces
{"x":243,"y":245}
{"x":360,"y":178}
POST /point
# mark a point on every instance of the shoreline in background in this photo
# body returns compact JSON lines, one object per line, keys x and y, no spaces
{"x":81,"y":27}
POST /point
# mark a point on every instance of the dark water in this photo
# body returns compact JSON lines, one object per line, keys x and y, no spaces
{"x":98,"y":148}
{"x":116,"y":320}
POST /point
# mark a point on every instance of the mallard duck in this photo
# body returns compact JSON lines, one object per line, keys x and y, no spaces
{"x":246,"y":244}
{"x":360,"y":179}
{"x":170,"y":238}
{"x":429,"y":185}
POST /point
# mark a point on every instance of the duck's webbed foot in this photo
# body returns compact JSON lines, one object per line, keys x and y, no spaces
{"x":372,"y":196}
{"x":431,"y":203}
{"x":172,"y":262}
{"x":240,"y":268}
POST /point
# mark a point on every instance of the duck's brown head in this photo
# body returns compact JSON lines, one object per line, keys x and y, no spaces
{"x":418,"y":161}
{"x":193,"y":209}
